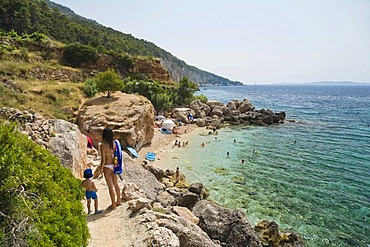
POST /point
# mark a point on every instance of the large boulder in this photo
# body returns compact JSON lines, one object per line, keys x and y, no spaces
{"x":144,"y":180}
{"x":214,"y":103}
{"x":271,"y":236}
{"x":131,"y":117}
{"x":69,"y":145}
{"x":230,"y":227}
{"x":162,"y":236}
{"x":201,"y":109}
{"x":267,"y":119}
{"x":182,"y":114}
{"x":156,"y":171}
{"x":166,"y":199}
{"x":218,"y":111}
{"x":186,"y":214}
{"x":199,"y":189}
{"x":233,"y":105}
{"x":201,"y":122}
{"x":246,"y":106}
{"x":281,"y":115}
{"x":189,"y":234}
{"x":188,"y":200}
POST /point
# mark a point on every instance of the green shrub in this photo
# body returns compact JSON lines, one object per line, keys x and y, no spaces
{"x":51,"y":97}
{"x":90,"y":88}
{"x":184,"y":91}
{"x":38,"y":37}
{"x":40,"y":200}
{"x":75,"y":55}
{"x":161,"y":101}
{"x":124,"y":61}
{"x":109,"y":82}
{"x":201,"y":97}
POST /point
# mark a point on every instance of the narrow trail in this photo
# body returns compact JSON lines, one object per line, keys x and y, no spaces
{"x":116,"y":227}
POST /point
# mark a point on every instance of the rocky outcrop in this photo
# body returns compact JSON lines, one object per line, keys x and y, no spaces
{"x":69,"y":146}
{"x":230,"y":227}
{"x":271,"y":236}
{"x":153,"y":68}
{"x":131,"y":117}
{"x":60,"y":137}
{"x":137,"y":175}
{"x":214,"y":113}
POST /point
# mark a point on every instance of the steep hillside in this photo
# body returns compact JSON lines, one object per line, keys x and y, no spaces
{"x":62,"y":24}
{"x":46,"y":75}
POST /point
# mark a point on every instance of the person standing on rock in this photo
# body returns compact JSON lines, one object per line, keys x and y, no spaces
{"x":107,"y":166}
{"x":177,"y":175}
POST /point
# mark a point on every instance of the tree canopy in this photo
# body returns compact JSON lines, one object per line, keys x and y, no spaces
{"x":109,"y":82}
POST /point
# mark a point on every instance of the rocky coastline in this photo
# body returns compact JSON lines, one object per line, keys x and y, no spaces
{"x":214,"y":114}
{"x":161,"y":211}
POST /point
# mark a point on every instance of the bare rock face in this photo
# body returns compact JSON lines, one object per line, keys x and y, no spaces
{"x":230,"y":227}
{"x":131,"y":117}
{"x":189,"y":234}
{"x":69,"y":145}
{"x":148,"y":185}
{"x":186,"y":214}
{"x":162,"y":236}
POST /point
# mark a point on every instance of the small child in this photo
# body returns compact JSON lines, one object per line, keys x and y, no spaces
{"x":90,"y":191}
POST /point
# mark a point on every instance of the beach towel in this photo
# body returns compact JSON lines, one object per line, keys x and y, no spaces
{"x":150,"y":156}
{"x":89,"y":142}
{"x":117,"y":158}
{"x":132,"y":152}
{"x":166,"y":131}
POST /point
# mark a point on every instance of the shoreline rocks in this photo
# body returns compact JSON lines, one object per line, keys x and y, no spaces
{"x":183,"y":210}
{"x":213,"y":114}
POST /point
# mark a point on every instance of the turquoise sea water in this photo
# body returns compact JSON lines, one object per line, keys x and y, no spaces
{"x":312,"y":175}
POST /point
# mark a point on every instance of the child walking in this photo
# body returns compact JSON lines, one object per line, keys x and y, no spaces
{"x":90,"y":191}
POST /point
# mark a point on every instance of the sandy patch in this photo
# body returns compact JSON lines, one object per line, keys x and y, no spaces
{"x":162,"y":145}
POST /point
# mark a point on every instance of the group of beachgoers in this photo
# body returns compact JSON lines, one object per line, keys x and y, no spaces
{"x":178,"y":144}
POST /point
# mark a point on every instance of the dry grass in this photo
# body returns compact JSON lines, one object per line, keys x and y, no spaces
{"x":50,"y":98}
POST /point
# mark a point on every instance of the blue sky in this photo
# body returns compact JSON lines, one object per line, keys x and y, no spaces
{"x":263,"y":41}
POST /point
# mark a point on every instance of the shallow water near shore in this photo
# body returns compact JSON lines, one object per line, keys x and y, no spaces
{"x":312,"y":176}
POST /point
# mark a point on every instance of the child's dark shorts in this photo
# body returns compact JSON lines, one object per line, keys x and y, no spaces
{"x":91,"y":194}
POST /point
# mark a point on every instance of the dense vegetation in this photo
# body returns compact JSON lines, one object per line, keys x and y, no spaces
{"x":30,"y":62}
{"x":162,"y":96}
{"x":29,"y":16}
{"x":40,"y":200}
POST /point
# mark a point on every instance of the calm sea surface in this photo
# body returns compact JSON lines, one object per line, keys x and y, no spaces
{"x":312,"y":175}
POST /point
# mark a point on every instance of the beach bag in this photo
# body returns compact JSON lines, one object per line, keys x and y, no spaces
{"x":117,"y":158}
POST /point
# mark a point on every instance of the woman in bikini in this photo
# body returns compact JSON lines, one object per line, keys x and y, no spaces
{"x":107,"y":155}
